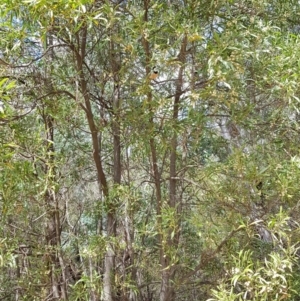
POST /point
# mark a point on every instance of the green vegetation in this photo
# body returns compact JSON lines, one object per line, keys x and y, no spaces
{"x":149,"y":150}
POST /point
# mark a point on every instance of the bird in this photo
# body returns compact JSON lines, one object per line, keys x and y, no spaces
{"x":223,"y":86}
{"x":154,"y":73}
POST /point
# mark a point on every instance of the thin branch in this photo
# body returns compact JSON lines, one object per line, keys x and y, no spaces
{"x":36,"y":59}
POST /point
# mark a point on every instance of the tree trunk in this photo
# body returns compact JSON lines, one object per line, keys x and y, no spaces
{"x":101,"y":177}
{"x":53,"y":228}
{"x":168,"y":269}
{"x":109,"y":289}
{"x":56,"y":267}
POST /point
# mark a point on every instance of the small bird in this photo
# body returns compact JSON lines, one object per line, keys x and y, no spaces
{"x":223,"y":86}
{"x":154,"y":73}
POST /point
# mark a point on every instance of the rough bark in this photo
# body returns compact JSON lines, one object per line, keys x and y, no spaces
{"x":109,"y":269}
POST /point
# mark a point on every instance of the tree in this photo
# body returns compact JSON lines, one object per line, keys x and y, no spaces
{"x":131,"y":186}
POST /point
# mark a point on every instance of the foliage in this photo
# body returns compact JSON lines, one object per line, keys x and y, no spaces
{"x":271,"y":277}
{"x":120,"y":183}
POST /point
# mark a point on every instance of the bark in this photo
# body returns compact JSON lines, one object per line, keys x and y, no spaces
{"x":167,"y":292}
{"x":53,"y":227}
{"x":80,"y":54}
{"x":55,"y":263}
{"x":168,"y":272}
{"x":154,"y":160}
{"x":109,"y":272}
{"x":87,"y":107}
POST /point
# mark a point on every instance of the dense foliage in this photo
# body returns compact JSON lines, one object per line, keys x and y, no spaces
{"x":149,"y":150}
